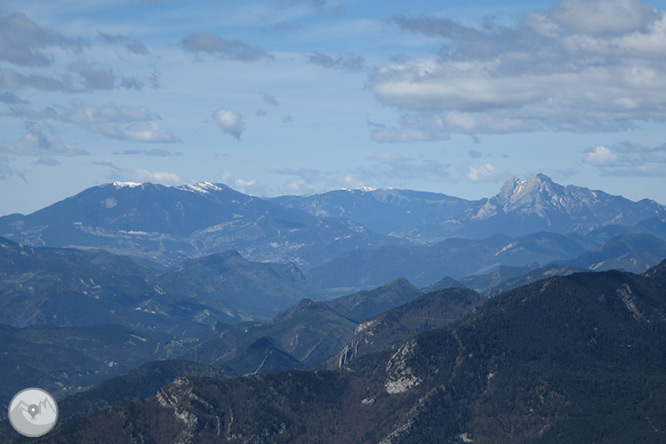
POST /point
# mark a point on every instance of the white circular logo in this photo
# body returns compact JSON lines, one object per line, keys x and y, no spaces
{"x":33,"y":412}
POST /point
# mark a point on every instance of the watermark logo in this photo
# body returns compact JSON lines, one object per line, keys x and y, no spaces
{"x":33,"y":412}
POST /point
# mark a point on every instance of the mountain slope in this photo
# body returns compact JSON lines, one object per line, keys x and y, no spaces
{"x":308,"y":332}
{"x":369,"y":303}
{"x":633,"y":252}
{"x":63,"y":360}
{"x":62,"y":287}
{"x":169,"y":224}
{"x":424,"y":265}
{"x":576,"y":359}
{"x":569,"y":359}
{"x":387,"y":211}
{"x":262,"y":356}
{"x":393,"y":328}
{"x":234,"y":285}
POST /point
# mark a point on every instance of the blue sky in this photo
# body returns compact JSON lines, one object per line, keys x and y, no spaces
{"x":298,"y":96}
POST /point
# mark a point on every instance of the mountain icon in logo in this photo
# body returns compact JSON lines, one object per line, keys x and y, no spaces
{"x":33,"y":412}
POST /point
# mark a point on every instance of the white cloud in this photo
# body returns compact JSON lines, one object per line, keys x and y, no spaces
{"x":163,"y":177}
{"x":588,"y":65}
{"x":485,"y":173}
{"x":230,"y":122}
{"x":247,"y":186}
{"x":627,"y":159}
{"x":604,"y":16}
{"x":142,"y":132}
{"x":93,"y":75}
{"x":412,"y":128}
{"x":22,"y":41}
{"x":400,"y":172}
{"x":654,"y":170}
{"x":386,"y":169}
{"x":132,"y":45}
{"x":12,"y":81}
{"x":155,"y":152}
{"x":602,"y":156}
{"x":125,"y":123}
{"x":40,"y":140}
{"x":11,"y":99}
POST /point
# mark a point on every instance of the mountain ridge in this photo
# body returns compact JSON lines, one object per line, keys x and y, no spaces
{"x":169,"y":224}
{"x":521,"y":206}
{"x":574,"y":359}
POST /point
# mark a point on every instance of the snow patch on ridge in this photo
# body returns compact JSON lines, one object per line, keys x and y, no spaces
{"x":202,"y":187}
{"x":126,"y":184}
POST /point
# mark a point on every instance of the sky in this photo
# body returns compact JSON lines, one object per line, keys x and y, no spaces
{"x":277,"y":97}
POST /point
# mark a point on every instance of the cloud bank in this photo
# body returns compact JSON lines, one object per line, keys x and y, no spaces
{"x":627,"y":159}
{"x":587,"y":65}
{"x":124,"y":123}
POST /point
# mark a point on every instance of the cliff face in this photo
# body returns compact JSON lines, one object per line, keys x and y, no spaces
{"x":176,"y":397}
{"x":391,"y":329}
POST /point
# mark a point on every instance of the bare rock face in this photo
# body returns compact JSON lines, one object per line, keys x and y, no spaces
{"x":177,"y":396}
{"x":400,"y":375}
{"x":362,"y":335}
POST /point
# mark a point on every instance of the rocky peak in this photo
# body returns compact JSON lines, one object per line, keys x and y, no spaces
{"x":536,"y":188}
{"x":530,"y":194}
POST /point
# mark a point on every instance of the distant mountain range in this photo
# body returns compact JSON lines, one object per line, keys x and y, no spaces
{"x":169,"y":224}
{"x":67,"y":287}
{"x":576,"y":359}
{"x":460,"y":258}
{"x":521,"y":207}
{"x":423,"y":265}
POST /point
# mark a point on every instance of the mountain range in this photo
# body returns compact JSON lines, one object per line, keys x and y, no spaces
{"x":576,"y":359}
{"x":521,"y":207}
{"x":71,"y":318}
{"x":303,"y":336}
{"x":169,"y":224}
{"x":87,"y":348}
{"x":462,"y":258}
{"x":370,"y":316}
{"x":426,"y":264}
{"x":63,"y":287}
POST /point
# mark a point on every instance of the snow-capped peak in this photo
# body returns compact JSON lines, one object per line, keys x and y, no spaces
{"x":126,"y":184}
{"x":202,"y":187}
